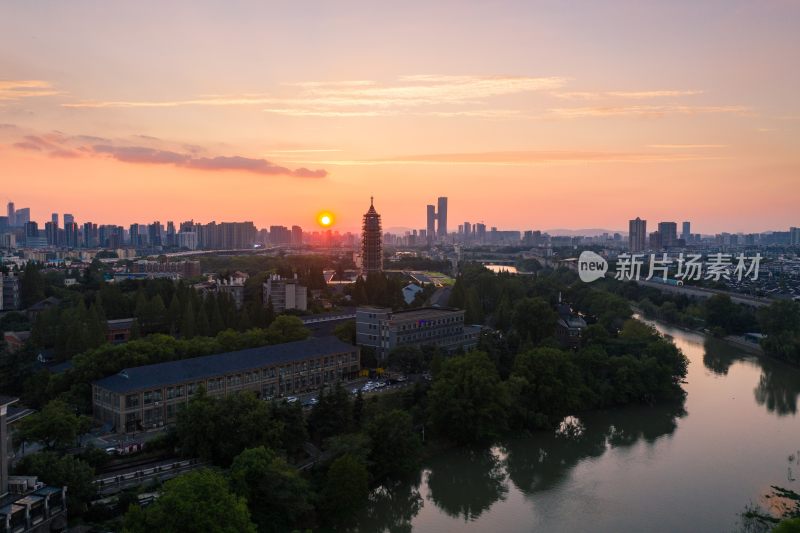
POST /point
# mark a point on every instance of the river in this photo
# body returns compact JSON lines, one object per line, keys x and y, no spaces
{"x":683,"y":467}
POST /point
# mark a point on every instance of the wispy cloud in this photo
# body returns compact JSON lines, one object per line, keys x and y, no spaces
{"x":18,"y":89}
{"x":421,"y":94}
{"x":645,"y":111}
{"x":631,"y":95}
{"x":59,"y":145}
{"x":687,"y":146}
{"x":523,"y":157}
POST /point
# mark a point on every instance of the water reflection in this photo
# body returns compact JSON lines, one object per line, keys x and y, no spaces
{"x":544,"y":460}
{"x":778,"y":386}
{"x":393,"y":506}
{"x":466,"y":482}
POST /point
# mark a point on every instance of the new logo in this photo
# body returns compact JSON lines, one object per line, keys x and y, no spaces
{"x":591,"y":266}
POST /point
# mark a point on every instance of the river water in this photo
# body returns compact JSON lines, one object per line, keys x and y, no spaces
{"x":693,"y":466}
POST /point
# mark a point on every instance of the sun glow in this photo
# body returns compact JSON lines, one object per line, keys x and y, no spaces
{"x":325,"y":219}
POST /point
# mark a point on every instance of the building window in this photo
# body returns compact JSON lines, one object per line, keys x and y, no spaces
{"x":131,"y":401}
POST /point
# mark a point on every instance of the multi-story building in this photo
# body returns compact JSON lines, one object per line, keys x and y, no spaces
{"x":11,"y":296}
{"x":284,"y":294}
{"x":280,"y":235}
{"x":26,"y":505}
{"x":686,"y":231}
{"x":384,"y":330}
{"x":150,"y":396}
{"x":371,"y":242}
{"x":187,"y":269}
{"x":431,"y":229}
{"x":669,"y":233}
{"x":637,"y":235}
{"x":794,"y":236}
{"x":441,"y":216}
{"x":297,"y":236}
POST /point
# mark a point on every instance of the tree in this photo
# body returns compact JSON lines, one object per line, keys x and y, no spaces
{"x":345,"y":491}
{"x":277,"y":496}
{"x":332,"y":415}
{"x":60,"y":471}
{"x":534,"y":319}
{"x":197,"y":501}
{"x":32,"y":289}
{"x":545,"y":385}
{"x":467,"y":401}
{"x":56,"y":426}
{"x":287,"y":328}
{"x":346,"y":331}
{"x":219,"y":429}
{"x":395,"y":444}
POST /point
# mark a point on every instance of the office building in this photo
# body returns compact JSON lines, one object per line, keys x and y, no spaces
{"x":150,"y":396}
{"x":22,"y":216}
{"x":441,"y":216}
{"x":384,"y":330}
{"x":656,"y":241}
{"x":11,"y":212}
{"x":70,"y":234}
{"x":669,"y":233}
{"x":637,"y":235}
{"x":68,"y":219}
{"x":686,"y":231}
{"x":11,"y":292}
{"x":284,"y":294}
{"x":431,"y":229}
{"x":371,"y":242}
{"x":794,"y":236}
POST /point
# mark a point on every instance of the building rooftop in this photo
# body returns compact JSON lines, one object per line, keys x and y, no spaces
{"x":198,"y":368}
{"x":424,"y":313}
{"x":7,"y":400}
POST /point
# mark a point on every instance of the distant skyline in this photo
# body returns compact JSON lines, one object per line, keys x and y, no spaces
{"x":526,"y":115}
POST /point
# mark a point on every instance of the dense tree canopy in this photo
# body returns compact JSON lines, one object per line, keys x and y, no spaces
{"x":197,"y":501}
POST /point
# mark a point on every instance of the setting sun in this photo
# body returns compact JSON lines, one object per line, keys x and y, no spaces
{"x":325,"y":219}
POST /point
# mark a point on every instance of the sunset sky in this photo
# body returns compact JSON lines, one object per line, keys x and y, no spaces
{"x":527,"y":115}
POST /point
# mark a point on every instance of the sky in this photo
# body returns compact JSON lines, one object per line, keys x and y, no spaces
{"x":527,"y":115}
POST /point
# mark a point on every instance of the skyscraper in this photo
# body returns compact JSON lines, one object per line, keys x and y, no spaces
{"x":371,"y":244}
{"x":54,"y":219}
{"x":68,"y":219}
{"x":431,"y":223}
{"x":669,"y":233}
{"x":12,"y":219}
{"x":442,"y":216}
{"x":637,"y":235}
{"x":21,"y":216}
{"x":686,"y":231}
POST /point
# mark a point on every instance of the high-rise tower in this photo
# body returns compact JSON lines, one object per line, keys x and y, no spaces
{"x":637,"y":234}
{"x":442,"y":216}
{"x":431,"y":232}
{"x":371,"y":241}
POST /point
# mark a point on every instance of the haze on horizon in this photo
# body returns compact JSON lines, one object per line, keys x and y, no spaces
{"x":527,"y":115}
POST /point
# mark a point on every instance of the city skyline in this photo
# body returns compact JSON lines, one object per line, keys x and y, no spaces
{"x":529,"y":116}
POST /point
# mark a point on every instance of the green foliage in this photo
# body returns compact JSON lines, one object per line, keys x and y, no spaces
{"x":468,"y":402}
{"x":277,"y":496}
{"x":345,"y":491}
{"x":287,"y":328}
{"x":56,"y":426}
{"x":395,"y":444}
{"x":545,"y":386}
{"x":33,"y":285}
{"x":781,"y":323}
{"x":332,"y":415}
{"x":217,"y":430}
{"x":534,"y":319}
{"x":346,"y":331}
{"x":59,"y":471}
{"x":197,"y":501}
